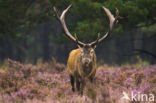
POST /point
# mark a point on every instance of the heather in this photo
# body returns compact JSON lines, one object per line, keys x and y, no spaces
{"x":49,"y":83}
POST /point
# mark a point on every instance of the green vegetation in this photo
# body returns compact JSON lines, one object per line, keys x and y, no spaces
{"x":29,"y":31}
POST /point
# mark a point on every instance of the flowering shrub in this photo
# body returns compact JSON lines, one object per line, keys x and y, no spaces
{"x":49,"y":83}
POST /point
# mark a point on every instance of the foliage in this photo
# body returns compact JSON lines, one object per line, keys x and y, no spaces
{"x":91,"y":19}
{"x":29,"y":31}
{"x":17,"y":14}
{"x":49,"y":82}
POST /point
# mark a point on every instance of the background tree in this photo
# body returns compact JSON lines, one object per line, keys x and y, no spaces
{"x":28,"y":30}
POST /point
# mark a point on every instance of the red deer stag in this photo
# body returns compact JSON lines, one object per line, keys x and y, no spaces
{"x":82,"y":61}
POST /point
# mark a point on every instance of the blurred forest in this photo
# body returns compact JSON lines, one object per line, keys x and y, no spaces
{"x":29,"y":32}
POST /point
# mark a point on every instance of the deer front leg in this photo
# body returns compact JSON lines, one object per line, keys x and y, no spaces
{"x":78,"y":84}
{"x":72,"y":80}
{"x":82,"y":86}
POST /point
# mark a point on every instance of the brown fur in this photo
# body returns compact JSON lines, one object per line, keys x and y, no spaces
{"x":77,"y":70}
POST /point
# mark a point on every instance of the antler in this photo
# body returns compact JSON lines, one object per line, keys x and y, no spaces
{"x":113,"y":20}
{"x":62,"y":21}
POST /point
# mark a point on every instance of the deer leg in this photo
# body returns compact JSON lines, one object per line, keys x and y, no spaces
{"x":82,"y":87}
{"x":78,"y":84}
{"x":72,"y":82}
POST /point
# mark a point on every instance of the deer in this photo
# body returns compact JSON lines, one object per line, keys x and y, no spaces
{"x":82,"y":62}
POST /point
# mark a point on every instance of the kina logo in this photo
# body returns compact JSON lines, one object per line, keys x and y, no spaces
{"x":138,"y":96}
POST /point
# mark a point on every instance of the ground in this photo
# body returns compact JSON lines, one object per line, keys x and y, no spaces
{"x":49,"y":83}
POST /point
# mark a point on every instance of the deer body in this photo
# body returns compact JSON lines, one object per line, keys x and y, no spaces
{"x":75,"y":65}
{"x":81,"y":66}
{"x":82,"y":61}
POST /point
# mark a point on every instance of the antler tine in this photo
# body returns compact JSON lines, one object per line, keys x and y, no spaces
{"x":55,"y":13}
{"x":62,"y":21}
{"x":95,"y":42}
{"x":64,"y":12}
{"x":76,"y":37}
{"x":113,"y":20}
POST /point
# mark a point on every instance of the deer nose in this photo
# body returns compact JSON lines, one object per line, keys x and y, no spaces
{"x":86,"y":61}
